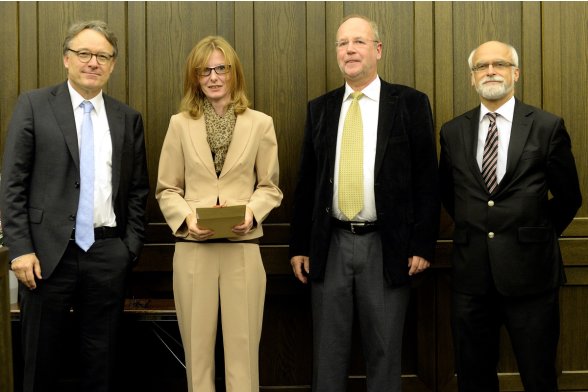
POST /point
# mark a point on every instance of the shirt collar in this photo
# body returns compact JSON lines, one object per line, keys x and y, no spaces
{"x":506,"y":111}
{"x":77,"y":99}
{"x":371,"y":91}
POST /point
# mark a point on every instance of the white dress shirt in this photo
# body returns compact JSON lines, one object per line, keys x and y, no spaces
{"x":504,"y":126}
{"x":369,"y":105}
{"x":103,"y":207}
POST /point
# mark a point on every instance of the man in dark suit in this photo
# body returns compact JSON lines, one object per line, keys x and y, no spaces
{"x":499,"y":162}
{"x":74,"y":188}
{"x":360,"y":258}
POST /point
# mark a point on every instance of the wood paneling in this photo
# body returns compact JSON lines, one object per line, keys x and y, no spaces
{"x":287,"y":51}
{"x":8,"y":64}
{"x":281,"y":92}
{"x":565,"y":76}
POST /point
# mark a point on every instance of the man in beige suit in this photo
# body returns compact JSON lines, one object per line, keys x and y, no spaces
{"x":217,"y":152}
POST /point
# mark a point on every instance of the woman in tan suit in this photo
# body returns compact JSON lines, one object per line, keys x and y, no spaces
{"x":217,"y":152}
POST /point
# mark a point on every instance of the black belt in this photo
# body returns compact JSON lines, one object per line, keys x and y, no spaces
{"x":356,"y":227}
{"x":101,"y":233}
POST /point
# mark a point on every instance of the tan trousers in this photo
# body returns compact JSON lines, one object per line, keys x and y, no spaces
{"x":231,"y":276}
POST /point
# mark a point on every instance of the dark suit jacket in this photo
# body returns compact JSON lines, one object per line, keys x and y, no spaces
{"x":523,"y":257}
{"x":41,"y":175}
{"x":405,"y":180}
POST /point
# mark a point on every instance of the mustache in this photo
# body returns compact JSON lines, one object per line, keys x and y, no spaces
{"x":492,"y":79}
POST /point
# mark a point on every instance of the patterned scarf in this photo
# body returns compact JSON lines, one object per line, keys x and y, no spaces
{"x":219,"y":132}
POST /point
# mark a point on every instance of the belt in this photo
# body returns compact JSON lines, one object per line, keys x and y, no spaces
{"x":101,"y":233}
{"x":356,"y":227}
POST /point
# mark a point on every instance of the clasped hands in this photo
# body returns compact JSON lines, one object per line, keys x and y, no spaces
{"x":203,"y":234}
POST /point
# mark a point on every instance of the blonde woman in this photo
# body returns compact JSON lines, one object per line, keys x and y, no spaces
{"x":218,"y":152}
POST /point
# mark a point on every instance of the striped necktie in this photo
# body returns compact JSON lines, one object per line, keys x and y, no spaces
{"x":351,"y":161}
{"x":490,"y":157}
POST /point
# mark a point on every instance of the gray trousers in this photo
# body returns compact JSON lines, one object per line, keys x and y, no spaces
{"x":354,"y":282}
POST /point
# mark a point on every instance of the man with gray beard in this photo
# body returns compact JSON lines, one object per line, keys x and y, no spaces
{"x":499,"y":162}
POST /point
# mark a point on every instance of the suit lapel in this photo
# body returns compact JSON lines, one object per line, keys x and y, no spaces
{"x":332,"y":114}
{"x":61,"y":105}
{"x":386,"y":113}
{"x":470,"y":142}
{"x":239,"y":141}
{"x":197,"y":132}
{"x":521,"y":126}
{"x":116,"y":123}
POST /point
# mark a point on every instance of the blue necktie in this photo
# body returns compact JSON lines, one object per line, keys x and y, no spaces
{"x":85,"y":216}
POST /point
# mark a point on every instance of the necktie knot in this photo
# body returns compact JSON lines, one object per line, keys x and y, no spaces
{"x":356,"y":95}
{"x":87,"y":106}
{"x":492,"y":116}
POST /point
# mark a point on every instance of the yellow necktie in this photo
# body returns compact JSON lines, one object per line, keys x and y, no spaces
{"x":351,"y":161}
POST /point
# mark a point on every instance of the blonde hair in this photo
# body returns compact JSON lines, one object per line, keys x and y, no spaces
{"x":372,"y":24}
{"x":193,"y":100}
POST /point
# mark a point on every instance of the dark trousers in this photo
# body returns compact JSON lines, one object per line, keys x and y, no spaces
{"x":532,"y":323}
{"x":92,"y":284}
{"x":354,"y":282}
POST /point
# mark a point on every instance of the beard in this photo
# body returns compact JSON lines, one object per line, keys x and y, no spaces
{"x":493,"y":92}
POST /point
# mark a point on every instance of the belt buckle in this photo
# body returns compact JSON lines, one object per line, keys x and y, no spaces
{"x":353,"y":225}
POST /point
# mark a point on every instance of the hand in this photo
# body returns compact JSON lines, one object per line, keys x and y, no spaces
{"x":417,"y":264}
{"x":195,"y":231}
{"x":247,"y":224}
{"x":301,"y":267}
{"x":26,"y":268}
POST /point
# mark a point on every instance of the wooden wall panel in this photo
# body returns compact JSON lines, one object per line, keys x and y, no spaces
{"x":172,"y":29}
{"x":530,"y":54}
{"x":288,"y":55}
{"x":281,"y":92}
{"x":8,"y":64}
{"x":29,"y":70}
{"x":473,"y":24}
{"x":566,"y":77}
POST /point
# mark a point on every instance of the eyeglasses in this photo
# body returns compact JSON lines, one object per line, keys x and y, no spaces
{"x":219,"y":69}
{"x":85,"y":56}
{"x":358,"y":42}
{"x":497,"y":65}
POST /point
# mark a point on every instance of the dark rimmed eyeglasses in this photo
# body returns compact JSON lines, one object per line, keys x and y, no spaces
{"x":219,"y":69}
{"x":85,"y":56}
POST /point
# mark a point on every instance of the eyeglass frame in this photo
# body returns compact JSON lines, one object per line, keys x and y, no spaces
{"x":499,"y":65}
{"x":207,"y":71}
{"x":101,"y":58}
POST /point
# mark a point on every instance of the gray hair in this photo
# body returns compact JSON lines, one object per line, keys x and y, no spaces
{"x":96,"y":25}
{"x":513,"y":55}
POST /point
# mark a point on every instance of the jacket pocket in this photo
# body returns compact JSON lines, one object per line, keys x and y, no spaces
{"x":35,"y":215}
{"x":460,"y":236}
{"x":530,"y":155}
{"x":534,"y":234}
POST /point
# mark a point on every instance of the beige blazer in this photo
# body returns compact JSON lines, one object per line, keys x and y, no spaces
{"x":187,"y":178}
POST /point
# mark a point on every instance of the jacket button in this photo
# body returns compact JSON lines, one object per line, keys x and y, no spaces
{"x":72,"y":217}
{"x":491,"y":235}
{"x":328,"y":210}
{"x":77,"y":184}
{"x":491,"y":203}
{"x":330,"y":180}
